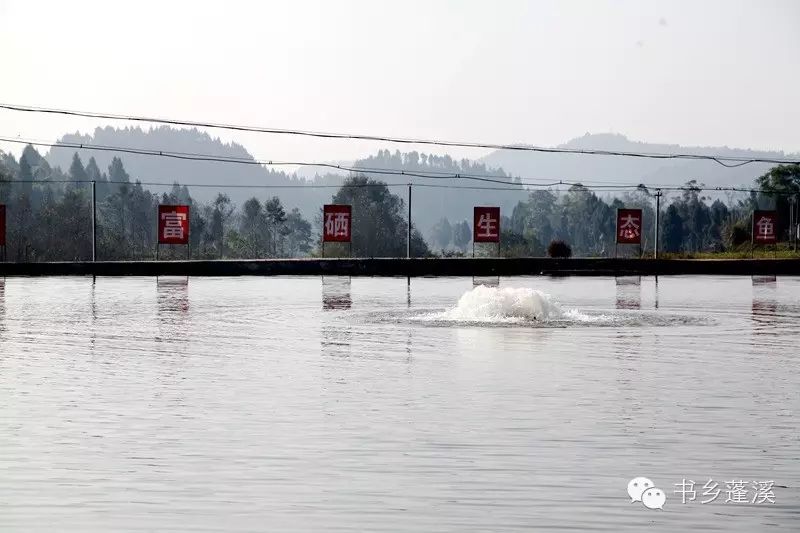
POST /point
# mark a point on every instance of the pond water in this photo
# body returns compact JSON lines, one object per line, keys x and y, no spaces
{"x":303,"y":404}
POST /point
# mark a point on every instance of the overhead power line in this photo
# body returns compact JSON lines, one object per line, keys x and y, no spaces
{"x":611,"y":188}
{"x":259,"y":186}
{"x":502,"y":180}
{"x":508,"y":185}
{"x":726,"y":161}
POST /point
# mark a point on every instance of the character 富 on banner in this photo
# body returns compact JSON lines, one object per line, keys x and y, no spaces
{"x":173,"y":224}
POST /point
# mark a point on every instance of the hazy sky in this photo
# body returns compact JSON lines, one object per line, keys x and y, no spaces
{"x":539,"y":72}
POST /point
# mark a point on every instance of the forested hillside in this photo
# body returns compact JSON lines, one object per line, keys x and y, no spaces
{"x":594,"y":169}
{"x":435,"y":200}
{"x":49,"y":210}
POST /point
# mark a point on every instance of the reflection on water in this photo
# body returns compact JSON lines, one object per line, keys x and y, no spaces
{"x":336,"y":293}
{"x":629,"y":292}
{"x":2,"y":305}
{"x":336,"y":340}
{"x":172,"y":299}
{"x":488,"y":281}
{"x":173,"y":295}
{"x":765,"y":305}
{"x":244,"y":405}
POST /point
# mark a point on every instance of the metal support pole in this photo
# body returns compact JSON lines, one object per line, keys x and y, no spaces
{"x":794,"y":225}
{"x":658,"y":210}
{"x":94,"y":221}
{"x":791,"y":220}
{"x":408,"y":238}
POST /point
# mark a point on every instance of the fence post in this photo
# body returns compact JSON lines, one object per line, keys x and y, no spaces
{"x":796,"y":222}
{"x":658,"y":210}
{"x":94,"y":221}
{"x":408,"y":238}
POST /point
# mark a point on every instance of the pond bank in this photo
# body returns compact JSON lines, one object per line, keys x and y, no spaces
{"x":413,"y":267}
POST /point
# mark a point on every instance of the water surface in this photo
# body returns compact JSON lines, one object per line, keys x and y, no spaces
{"x":289,"y":404}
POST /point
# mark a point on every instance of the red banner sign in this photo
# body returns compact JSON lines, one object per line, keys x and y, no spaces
{"x":173,"y":224}
{"x":629,"y":226}
{"x":765,"y":227}
{"x":486,"y":224}
{"x":2,"y":225}
{"x":337,"y":223}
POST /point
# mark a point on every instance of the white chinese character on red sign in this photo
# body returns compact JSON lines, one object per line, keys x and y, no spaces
{"x":766,"y":228}
{"x":173,"y":224}
{"x":629,"y":227}
{"x":336,"y":224}
{"x":487,"y":226}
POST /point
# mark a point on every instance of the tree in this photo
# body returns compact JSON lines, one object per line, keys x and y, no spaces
{"x":76,"y":170}
{"x":379,"y":228}
{"x":672,"y":230}
{"x":275,"y":218}
{"x":25,"y":173}
{"x":780,"y":184}
{"x":719,"y":217}
{"x":536,"y":215}
{"x":221,"y":212}
{"x":559,"y":249}
{"x":462,"y":235}
{"x":93,"y":171}
{"x":253,"y":229}
{"x":299,"y":234}
{"x":515,"y":244}
{"x":442,"y":233}
{"x":116,"y":171}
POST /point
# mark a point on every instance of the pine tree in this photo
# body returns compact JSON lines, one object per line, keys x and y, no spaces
{"x":76,"y":170}
{"x":93,"y":171}
{"x":116,"y":172}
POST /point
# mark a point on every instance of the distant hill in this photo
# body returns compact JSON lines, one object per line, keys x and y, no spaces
{"x":432,"y":200}
{"x":591,"y":169}
{"x":209,"y":173}
{"x":429,"y":203}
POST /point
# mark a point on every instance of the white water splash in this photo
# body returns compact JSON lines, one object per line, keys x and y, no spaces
{"x":507,"y":304}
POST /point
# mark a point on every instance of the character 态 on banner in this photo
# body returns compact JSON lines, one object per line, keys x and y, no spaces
{"x":337,"y":223}
{"x":765,"y":227}
{"x":629,"y":226}
{"x":486,"y":224}
{"x":173,"y":224}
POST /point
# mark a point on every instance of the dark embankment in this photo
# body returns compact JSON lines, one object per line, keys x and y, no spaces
{"x":412,"y":267}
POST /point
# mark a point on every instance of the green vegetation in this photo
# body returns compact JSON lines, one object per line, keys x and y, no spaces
{"x":559,"y":249}
{"x":380,"y":228}
{"x":49,"y":214}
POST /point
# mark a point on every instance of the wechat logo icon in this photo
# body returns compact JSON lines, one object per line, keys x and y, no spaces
{"x":642,"y":489}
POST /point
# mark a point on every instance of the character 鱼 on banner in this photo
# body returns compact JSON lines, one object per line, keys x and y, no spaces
{"x":337,"y":223}
{"x":173,"y":224}
{"x":629,"y":226}
{"x":486,"y":224}
{"x":765,"y":227}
